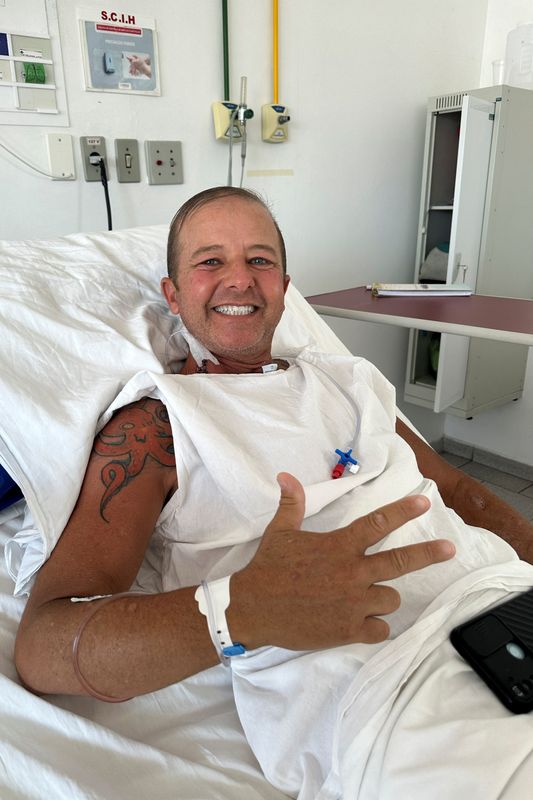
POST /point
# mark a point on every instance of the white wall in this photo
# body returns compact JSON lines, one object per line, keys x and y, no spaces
{"x":356,"y":76}
{"x":507,"y":430}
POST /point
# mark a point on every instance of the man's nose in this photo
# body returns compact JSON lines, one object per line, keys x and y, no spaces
{"x":239,"y":275}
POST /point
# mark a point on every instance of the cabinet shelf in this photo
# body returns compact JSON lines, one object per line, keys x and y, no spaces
{"x":24,"y":85}
{"x":426,"y":380}
{"x":27,"y":59}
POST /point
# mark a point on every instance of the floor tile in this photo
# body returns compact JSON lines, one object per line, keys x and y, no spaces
{"x":523,"y":504}
{"x":457,"y":448}
{"x":454,"y":460}
{"x":528,"y":492}
{"x":524,"y":471}
{"x":495,"y":476}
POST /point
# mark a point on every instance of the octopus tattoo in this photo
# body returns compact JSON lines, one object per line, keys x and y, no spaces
{"x":128,"y":441}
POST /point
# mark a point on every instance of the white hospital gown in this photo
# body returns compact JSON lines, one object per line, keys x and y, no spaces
{"x":303,"y":712}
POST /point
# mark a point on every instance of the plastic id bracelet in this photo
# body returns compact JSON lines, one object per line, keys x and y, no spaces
{"x":213,"y":600}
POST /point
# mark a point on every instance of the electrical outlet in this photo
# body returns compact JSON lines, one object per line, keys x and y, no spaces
{"x":222,"y":113}
{"x":163,"y":162}
{"x":127,"y":160}
{"x":90,"y":146}
{"x":274,"y":119}
{"x":60,"y":156}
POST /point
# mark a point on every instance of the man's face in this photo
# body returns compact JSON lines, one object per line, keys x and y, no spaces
{"x":230,"y":285}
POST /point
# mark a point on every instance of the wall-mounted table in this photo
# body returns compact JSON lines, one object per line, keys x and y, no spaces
{"x":506,"y":319}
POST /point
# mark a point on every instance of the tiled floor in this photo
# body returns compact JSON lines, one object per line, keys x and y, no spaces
{"x":518,"y":492}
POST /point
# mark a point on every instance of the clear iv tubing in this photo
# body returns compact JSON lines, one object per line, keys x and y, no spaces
{"x":230,"y":158}
{"x":243,"y":155}
{"x":238,"y":113}
{"x":244,"y":81}
{"x":344,"y":392}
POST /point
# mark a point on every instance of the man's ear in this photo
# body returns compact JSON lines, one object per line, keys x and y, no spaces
{"x":286,"y":281}
{"x":170,"y":293}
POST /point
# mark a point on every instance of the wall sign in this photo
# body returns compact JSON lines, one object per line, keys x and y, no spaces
{"x":119,"y":52}
{"x":32,"y":88}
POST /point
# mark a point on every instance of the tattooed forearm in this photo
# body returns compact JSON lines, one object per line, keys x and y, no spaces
{"x":137,"y":434}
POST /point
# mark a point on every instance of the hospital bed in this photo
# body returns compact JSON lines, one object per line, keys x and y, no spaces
{"x":81,"y":315}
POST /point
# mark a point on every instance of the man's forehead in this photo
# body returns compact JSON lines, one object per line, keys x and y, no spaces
{"x":230,"y":211}
{"x":215,"y":222}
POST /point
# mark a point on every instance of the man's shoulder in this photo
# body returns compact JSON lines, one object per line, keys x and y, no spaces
{"x":139,"y":427}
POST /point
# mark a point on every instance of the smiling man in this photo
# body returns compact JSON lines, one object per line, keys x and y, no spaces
{"x":227,"y":277}
{"x":188,"y":472}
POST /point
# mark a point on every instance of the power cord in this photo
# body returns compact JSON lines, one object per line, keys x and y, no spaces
{"x":29,"y":164}
{"x":96,"y":160}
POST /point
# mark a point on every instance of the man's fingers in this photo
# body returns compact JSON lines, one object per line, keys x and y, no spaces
{"x":373,"y":630}
{"x":375,"y":526}
{"x":398,"y":561}
{"x":291,"y":509}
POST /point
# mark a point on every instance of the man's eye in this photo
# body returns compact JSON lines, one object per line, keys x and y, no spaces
{"x":259,"y":261}
{"x":210,"y":262}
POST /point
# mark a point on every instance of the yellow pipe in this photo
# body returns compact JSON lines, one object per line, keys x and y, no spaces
{"x":275,"y":50}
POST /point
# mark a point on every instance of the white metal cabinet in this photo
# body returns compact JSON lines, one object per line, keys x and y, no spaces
{"x":477,"y":199}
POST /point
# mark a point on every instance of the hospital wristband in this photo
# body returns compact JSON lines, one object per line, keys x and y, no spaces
{"x":213,"y":599}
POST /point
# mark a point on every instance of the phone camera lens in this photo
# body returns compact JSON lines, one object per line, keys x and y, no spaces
{"x":515,"y":651}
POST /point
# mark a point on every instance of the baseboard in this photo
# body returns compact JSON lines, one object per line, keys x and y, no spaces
{"x":494,"y":460}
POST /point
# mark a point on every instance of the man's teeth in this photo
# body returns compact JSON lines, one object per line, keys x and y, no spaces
{"x":235,"y":310}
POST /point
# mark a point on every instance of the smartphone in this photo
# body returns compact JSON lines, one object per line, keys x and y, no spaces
{"x":498,"y":645}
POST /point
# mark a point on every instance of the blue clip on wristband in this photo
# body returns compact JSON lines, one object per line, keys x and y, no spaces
{"x":213,"y":599}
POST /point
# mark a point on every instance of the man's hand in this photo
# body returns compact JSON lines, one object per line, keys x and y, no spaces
{"x":308,"y":591}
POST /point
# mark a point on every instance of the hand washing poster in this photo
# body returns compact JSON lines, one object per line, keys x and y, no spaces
{"x":119,"y":53}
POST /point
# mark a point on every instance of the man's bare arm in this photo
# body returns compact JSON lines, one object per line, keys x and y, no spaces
{"x":301,"y":590}
{"x":130,"y":474}
{"x":471,"y":500}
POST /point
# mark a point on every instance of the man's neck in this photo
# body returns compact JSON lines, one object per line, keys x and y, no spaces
{"x":228,"y":365}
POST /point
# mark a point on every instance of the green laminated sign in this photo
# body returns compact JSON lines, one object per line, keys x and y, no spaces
{"x":34,"y":73}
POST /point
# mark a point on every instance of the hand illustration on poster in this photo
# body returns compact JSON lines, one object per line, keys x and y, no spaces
{"x":137,"y":64}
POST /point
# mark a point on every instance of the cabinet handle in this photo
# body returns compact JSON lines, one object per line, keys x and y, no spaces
{"x":463,"y":267}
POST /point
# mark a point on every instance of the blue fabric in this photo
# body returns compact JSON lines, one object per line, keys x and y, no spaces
{"x":9,"y":491}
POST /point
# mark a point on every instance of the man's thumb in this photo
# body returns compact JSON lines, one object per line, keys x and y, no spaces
{"x":291,"y":507}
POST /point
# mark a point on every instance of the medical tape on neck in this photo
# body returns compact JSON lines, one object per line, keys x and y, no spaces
{"x":213,"y":599}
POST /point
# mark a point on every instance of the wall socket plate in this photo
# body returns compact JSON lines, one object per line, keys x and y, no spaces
{"x":90,"y":145}
{"x":60,"y":156}
{"x":163,"y":162}
{"x":127,"y":160}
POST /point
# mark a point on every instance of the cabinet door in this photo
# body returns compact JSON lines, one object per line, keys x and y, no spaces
{"x":475,"y":141}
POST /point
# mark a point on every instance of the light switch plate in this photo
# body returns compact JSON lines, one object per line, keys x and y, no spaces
{"x":60,"y":156}
{"x":163,"y":162}
{"x":127,"y":160}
